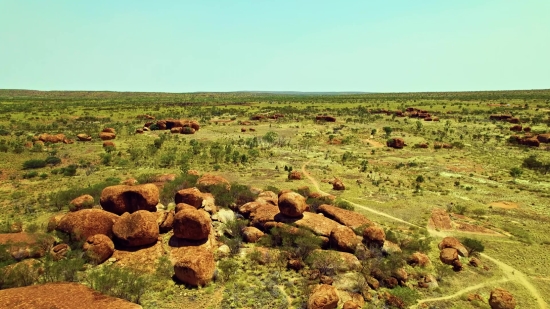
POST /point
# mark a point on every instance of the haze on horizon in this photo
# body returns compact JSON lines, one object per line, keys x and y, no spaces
{"x":298,"y":45}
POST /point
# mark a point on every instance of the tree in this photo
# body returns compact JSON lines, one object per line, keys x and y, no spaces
{"x":270,"y":137}
{"x":388,"y":131}
{"x":473,"y":245}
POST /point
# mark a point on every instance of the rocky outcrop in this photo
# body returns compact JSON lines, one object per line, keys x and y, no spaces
{"x":60,"y":295}
{"x":192,"y":224}
{"x":292,"y":204}
{"x":396,"y":142}
{"x":98,"y":248}
{"x":121,"y":198}
{"x":501,"y":299}
{"x":136,"y":229}
{"x":87,"y":222}
{"x":348,"y":218}
{"x":165,"y":221}
{"x":208,"y":180}
{"x":268,"y":197}
{"x":195,"y":266}
{"x":323,"y":297}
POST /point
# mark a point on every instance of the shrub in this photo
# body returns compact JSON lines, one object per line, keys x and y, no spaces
{"x":62,"y":198}
{"x":182,"y":181}
{"x":344,"y":205}
{"x":273,"y":189}
{"x":69,"y":170}
{"x":327,"y":262}
{"x":473,"y":245}
{"x":52,"y":160}
{"x":119,"y":282}
{"x":63,"y":270}
{"x":34,"y":163}
{"x":228,"y":268}
{"x":31,"y":174}
{"x":314,"y":203}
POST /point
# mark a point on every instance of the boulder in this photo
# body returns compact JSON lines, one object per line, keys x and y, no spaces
{"x":263,"y":215}
{"x":48,"y":138}
{"x":136,"y":229}
{"x":104,"y":136}
{"x":475,"y":262}
{"x":84,"y":137}
{"x":317,"y":223}
{"x":396,"y":142}
{"x":60,"y":295}
{"x":295,"y":175}
{"x":516,"y":128}
{"x":139,"y":131}
{"x":268,"y":197}
{"x":544,"y":138}
{"x":348,"y":218}
{"x":83,"y":201}
{"x":248,"y":208}
{"x":350,"y":304}
{"x":53,"y":222}
{"x":87,"y":222}
{"x":448,"y":256}
{"x":108,"y":144}
{"x":374,"y":235}
{"x":338,"y":185}
{"x":451,"y":242}
{"x":501,"y":299}
{"x":109,"y":130}
{"x":419,"y":259}
{"x":121,"y":198}
{"x":292,"y":204}
{"x":344,"y":239}
{"x":165,"y":221}
{"x":182,"y":206}
{"x":192,"y":224}
{"x":252,"y":234}
{"x":59,"y":252}
{"x":191,"y":196}
{"x":391,"y":248}
{"x":209,"y":180}
{"x":390,"y":282}
{"x":98,"y":248}
{"x":195,"y":266}
{"x":323,"y":297}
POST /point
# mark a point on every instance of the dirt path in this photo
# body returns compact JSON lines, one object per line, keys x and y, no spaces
{"x":374,"y":143}
{"x":458,"y":293}
{"x":511,"y":273}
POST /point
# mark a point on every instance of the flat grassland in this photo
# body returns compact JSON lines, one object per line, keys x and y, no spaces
{"x":486,"y":184}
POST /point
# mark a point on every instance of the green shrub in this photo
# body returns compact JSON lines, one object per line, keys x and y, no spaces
{"x":31,"y":174}
{"x":314,"y":203}
{"x":65,"y":270}
{"x":182,"y":181}
{"x":473,"y":245}
{"x":34,"y":163}
{"x":52,"y":160}
{"x":119,"y":282}
{"x":344,"y":204}
{"x":409,"y":296}
{"x":62,"y":198}
{"x":228,"y":268}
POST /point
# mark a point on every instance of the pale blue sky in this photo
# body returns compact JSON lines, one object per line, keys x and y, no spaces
{"x":283,"y":45}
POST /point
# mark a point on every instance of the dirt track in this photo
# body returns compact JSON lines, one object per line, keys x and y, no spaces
{"x":511,"y":273}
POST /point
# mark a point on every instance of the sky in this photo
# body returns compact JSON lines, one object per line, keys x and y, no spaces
{"x":283,"y":45}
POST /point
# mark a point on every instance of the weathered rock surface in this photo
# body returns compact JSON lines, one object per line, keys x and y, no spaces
{"x":98,"y":248}
{"x":192,"y":224}
{"x":191,"y":196}
{"x":323,"y":297}
{"x":195,"y":266}
{"x":252,"y":234}
{"x":121,"y":198}
{"x":451,"y":242}
{"x":344,"y":239}
{"x":292,"y":204}
{"x":87,"y":222}
{"x":136,"y":229}
{"x":501,"y":299}
{"x":348,"y":218}
{"x":374,"y":235}
{"x":83,"y":201}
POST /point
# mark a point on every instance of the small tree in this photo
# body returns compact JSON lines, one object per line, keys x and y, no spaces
{"x":473,"y":245}
{"x":516,"y":172}
{"x":388,"y":131}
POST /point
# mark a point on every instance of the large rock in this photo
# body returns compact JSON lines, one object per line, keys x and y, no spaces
{"x":250,"y":207}
{"x":269,"y":197}
{"x":98,"y":248}
{"x":192,"y":224}
{"x":344,"y":239}
{"x":87,"y":222}
{"x":165,"y":221}
{"x":47,"y":138}
{"x":323,"y":297}
{"x":208,"y":180}
{"x":419,"y":259}
{"x":396,"y":142}
{"x":292,"y":204}
{"x":60,"y":295}
{"x":374,"y":235}
{"x":252,"y":234}
{"x":350,"y":304}
{"x":84,"y":137}
{"x":263,"y":214}
{"x":191,"y":196}
{"x":448,"y":256}
{"x":121,"y":198}
{"x":346,"y":217}
{"x":338,"y":185}
{"x":60,"y":251}
{"x":195,"y":266}
{"x":451,"y":242}
{"x":295,"y":175}
{"x":83,"y":201}
{"x":137,"y":229}
{"x":318,"y":224}
{"x":105,"y":136}
{"x":501,"y":299}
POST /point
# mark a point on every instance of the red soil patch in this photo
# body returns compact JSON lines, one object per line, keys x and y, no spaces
{"x":440,"y":220}
{"x":504,"y":204}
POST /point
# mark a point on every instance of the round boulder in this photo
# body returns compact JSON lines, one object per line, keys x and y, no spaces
{"x":137,"y":229}
{"x":343,"y":239}
{"x":165,"y":221}
{"x":323,"y":297}
{"x":501,"y":299}
{"x":98,"y":248}
{"x":87,"y":222}
{"x":448,"y":256}
{"x":451,"y":242}
{"x":374,"y":235}
{"x":195,"y":266}
{"x":121,"y":198}
{"x":191,"y":196}
{"x":83,"y":201}
{"x":252,"y":234}
{"x":292,"y":204}
{"x":192,"y":224}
